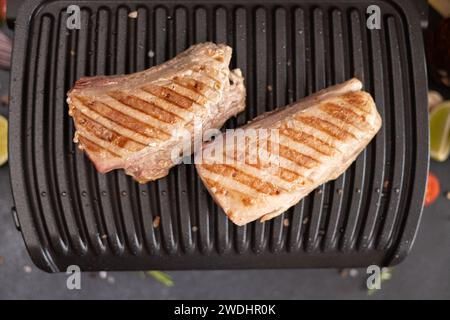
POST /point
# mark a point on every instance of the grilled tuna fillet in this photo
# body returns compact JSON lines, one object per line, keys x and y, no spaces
{"x":309,"y":143}
{"x":136,"y":121}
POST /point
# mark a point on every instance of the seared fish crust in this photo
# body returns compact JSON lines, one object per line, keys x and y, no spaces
{"x":317,"y":139}
{"x":135,"y":121}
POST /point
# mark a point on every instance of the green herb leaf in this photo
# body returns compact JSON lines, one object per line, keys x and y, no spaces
{"x":162,"y":277}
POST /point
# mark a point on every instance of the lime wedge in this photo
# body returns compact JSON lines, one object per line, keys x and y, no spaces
{"x":440,"y":131}
{"x":3,"y":140}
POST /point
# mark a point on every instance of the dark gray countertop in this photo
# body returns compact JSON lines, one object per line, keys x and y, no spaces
{"x":424,"y":274}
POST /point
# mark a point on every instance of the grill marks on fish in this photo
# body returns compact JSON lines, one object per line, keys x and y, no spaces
{"x":295,"y":156}
{"x":184,"y":93}
{"x":357,"y":100}
{"x":273,"y":170}
{"x":187,"y":93}
{"x":170,"y":95}
{"x":242,"y":177}
{"x":193,"y":85}
{"x":267,"y":161}
{"x":309,"y":140}
{"x":89,"y":145}
{"x":97,"y":145}
{"x":346,"y":115}
{"x":106,"y":134}
{"x":123,"y":120}
{"x":274,"y":173}
{"x":326,"y":126}
{"x":315,"y":142}
{"x":132,"y":121}
{"x":77,"y":105}
{"x":144,"y":106}
{"x":289,"y":175}
{"x":219,"y":190}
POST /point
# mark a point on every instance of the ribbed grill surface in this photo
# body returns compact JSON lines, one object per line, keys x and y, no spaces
{"x":70,"y":214}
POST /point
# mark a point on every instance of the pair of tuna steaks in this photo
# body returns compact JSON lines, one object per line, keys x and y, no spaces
{"x":146,"y":122}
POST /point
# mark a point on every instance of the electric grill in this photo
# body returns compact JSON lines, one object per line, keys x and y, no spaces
{"x":71,"y":215}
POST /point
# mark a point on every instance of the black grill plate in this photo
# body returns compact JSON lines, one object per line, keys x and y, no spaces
{"x":70,"y":214}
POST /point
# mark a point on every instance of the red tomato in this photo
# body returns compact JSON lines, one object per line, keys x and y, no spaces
{"x":433,"y":189}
